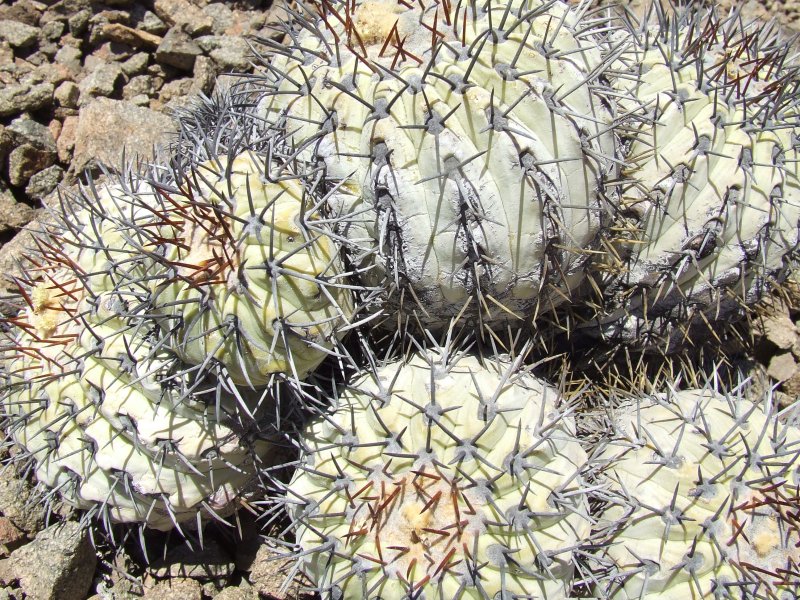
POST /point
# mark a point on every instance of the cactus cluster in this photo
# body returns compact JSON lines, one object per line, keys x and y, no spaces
{"x":445,"y":477}
{"x":710,"y":192}
{"x":449,"y":127}
{"x":364,"y":248}
{"x":700,"y":499}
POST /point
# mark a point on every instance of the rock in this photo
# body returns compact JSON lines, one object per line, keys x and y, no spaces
{"x":6,"y":143}
{"x":112,"y":52}
{"x":24,"y":97}
{"x":26,"y":160}
{"x":204,"y":76}
{"x":6,"y":53}
{"x":6,"y":574}
{"x":782,"y":367}
{"x":42,"y":183}
{"x":103,"y":123}
{"x":178,"y":50}
{"x":52,"y":31}
{"x":175,"y":92}
{"x":16,"y":499}
{"x":102,"y":81}
{"x":152,"y":24}
{"x":34,"y":150}
{"x":69,"y":57}
{"x":79,"y":22}
{"x":780,"y":330}
{"x":175,"y":589}
{"x":67,"y":94}
{"x":140,"y":100}
{"x":139,"y":85}
{"x":207,"y":563}
{"x":122,"y":34}
{"x":221,"y":16}
{"x":268,"y":573}
{"x":184,"y":13}
{"x":18,"y":35}
{"x":242,"y":592}
{"x":136,"y":64}
{"x":228,"y":52}
{"x":11,"y":538}
{"x":53,"y":73}
{"x":24,"y":11}
{"x":13,"y":215}
{"x":65,"y":143}
{"x":58,"y":565}
{"x":24,"y":130}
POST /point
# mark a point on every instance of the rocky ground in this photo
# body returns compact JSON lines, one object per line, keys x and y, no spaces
{"x":76,"y":78}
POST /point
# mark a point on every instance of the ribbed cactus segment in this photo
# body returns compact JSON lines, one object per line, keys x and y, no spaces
{"x":701,"y":499}
{"x":247,"y":277}
{"x":710,"y":196}
{"x":115,"y":427}
{"x":107,"y":415}
{"x":464,"y":143}
{"x":441,"y":477}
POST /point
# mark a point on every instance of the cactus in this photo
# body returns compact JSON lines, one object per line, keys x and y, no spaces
{"x":710,"y":194}
{"x":441,"y":477}
{"x":246,"y":276}
{"x":700,"y":494}
{"x":107,"y":416}
{"x":464,"y":143}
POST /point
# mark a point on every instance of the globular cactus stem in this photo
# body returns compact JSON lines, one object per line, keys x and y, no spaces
{"x":441,"y":477}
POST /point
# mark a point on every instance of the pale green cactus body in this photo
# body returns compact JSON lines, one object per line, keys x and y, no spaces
{"x":469,"y":156}
{"x":254,"y":284}
{"x":110,"y":439}
{"x":458,"y":479}
{"x":702,"y":490}
{"x":711,"y":190}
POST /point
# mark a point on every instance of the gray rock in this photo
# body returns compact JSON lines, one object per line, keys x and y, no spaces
{"x":14,"y":215}
{"x":152,"y":24}
{"x":140,"y":100}
{"x":52,"y":31}
{"x":67,"y":94}
{"x":204,"y":76}
{"x":6,"y":143}
{"x":103,"y":123}
{"x":19,"y":35}
{"x":44,"y":182}
{"x":25,"y":161}
{"x":269,"y":573}
{"x":79,"y":22}
{"x":136,"y":64}
{"x":69,"y":57}
{"x":178,"y":50}
{"x":229,"y":53}
{"x":25,"y":97}
{"x":58,"y":565}
{"x":175,"y":589}
{"x":184,"y":14}
{"x":242,"y":592}
{"x":6,"y":53}
{"x":207,"y":563}
{"x":102,"y":81}
{"x":27,"y":131}
{"x":16,"y":499}
{"x":24,"y":11}
{"x":139,"y":85}
{"x":221,"y":16}
{"x":175,"y":93}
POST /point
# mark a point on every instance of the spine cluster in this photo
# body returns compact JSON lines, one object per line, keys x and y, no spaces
{"x":362,"y":250}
